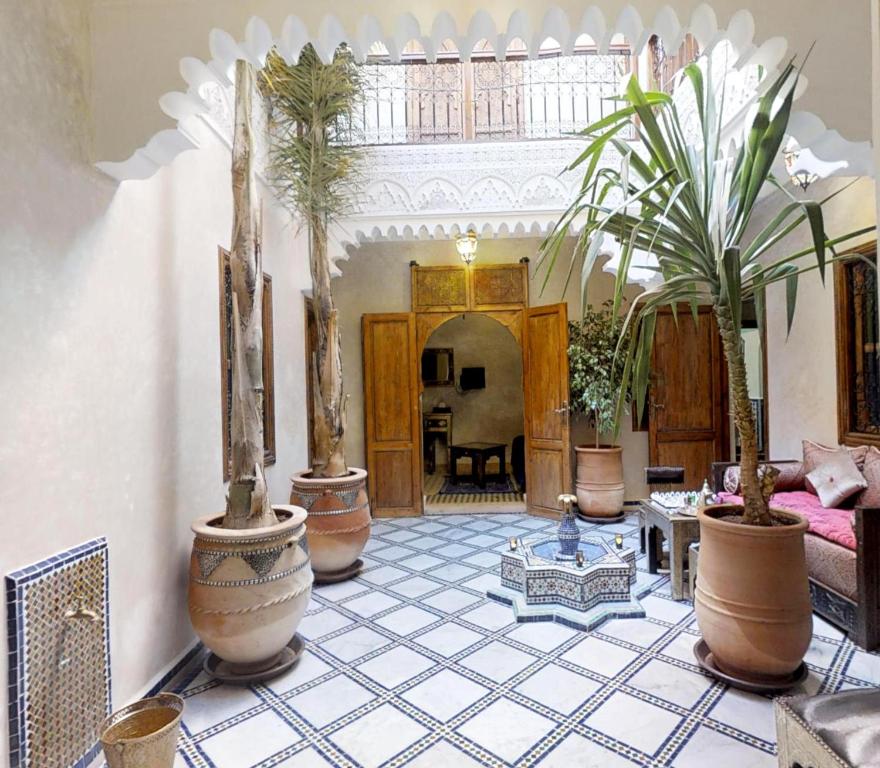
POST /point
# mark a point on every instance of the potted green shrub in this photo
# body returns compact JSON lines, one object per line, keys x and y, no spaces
{"x":249,"y":580}
{"x":596,"y":386}
{"x":689,"y":202}
{"x":315,"y":163}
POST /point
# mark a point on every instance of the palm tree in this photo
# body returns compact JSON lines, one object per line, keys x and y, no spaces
{"x":689,"y":203}
{"x":313,"y":109}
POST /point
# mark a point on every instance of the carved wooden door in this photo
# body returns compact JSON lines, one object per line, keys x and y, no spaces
{"x":545,"y":370}
{"x":392,"y":420}
{"x":688,"y":417}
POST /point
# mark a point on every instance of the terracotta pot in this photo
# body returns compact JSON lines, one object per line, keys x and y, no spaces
{"x":339,"y":517}
{"x":752,"y":597}
{"x":248,"y":589}
{"x":599,"y":484}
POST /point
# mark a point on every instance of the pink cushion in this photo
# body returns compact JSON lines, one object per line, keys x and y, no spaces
{"x":835,"y":525}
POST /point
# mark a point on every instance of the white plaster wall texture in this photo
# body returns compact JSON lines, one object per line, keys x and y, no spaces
{"x":493,"y":414}
{"x":376,"y":278}
{"x":802,"y":369}
{"x":110,"y":340}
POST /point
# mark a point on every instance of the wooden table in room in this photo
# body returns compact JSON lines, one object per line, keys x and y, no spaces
{"x":656,"y":522}
{"x":479,"y":454}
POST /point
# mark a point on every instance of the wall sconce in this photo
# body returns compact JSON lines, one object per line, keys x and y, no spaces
{"x":618,"y":540}
{"x":801,"y":178}
{"x":466,"y":245}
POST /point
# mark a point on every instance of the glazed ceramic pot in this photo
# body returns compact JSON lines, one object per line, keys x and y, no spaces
{"x":599,"y":481}
{"x":752,"y":596}
{"x":339,"y":518}
{"x":248,"y":589}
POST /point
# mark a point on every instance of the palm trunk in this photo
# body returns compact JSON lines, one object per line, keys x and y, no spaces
{"x":756,"y":511}
{"x":247,"y":505}
{"x":329,"y":405}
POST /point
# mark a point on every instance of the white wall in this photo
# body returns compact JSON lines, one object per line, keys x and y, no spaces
{"x":376,"y":278}
{"x":802,"y":370}
{"x":110,"y":380}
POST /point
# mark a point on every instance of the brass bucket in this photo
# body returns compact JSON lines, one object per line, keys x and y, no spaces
{"x":143,"y":734}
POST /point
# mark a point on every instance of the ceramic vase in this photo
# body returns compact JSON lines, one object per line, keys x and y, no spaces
{"x":599,"y":485}
{"x":248,"y":589}
{"x":339,"y":520}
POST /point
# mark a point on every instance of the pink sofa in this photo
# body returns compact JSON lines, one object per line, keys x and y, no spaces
{"x":843,"y":557}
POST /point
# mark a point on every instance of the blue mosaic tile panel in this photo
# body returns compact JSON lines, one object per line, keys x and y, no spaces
{"x":59,"y":658}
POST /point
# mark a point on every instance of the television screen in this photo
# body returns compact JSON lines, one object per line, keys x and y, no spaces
{"x":473,"y":378}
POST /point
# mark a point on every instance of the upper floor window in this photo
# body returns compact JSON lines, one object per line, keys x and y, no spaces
{"x":858,"y":365}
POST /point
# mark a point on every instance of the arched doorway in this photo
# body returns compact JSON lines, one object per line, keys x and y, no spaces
{"x":472,"y":399}
{"x":392,"y":351}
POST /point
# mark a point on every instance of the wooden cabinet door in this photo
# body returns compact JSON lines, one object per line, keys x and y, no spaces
{"x":545,"y":370}
{"x":689,"y":423}
{"x":391,"y":405}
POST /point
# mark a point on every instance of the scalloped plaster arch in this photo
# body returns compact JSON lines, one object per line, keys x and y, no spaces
{"x":165,"y":145}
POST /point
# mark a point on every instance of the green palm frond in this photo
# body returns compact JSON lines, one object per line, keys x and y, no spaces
{"x":688,"y":198}
{"x":689,"y":203}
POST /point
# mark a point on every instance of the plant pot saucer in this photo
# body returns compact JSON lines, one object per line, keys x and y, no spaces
{"x":753,"y":685}
{"x":221,"y":670}
{"x":601,"y":520}
{"x":344,"y":574}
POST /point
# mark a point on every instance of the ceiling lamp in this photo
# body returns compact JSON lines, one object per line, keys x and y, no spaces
{"x":800,"y":176}
{"x":466,"y":245}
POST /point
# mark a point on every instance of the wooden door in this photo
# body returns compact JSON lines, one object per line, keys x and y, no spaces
{"x":688,"y":417}
{"x":545,"y":373}
{"x":391,"y":405}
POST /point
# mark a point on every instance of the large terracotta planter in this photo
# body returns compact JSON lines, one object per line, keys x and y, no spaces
{"x":339,"y":520}
{"x":248,"y":589}
{"x":752,"y":596}
{"x":599,"y":481}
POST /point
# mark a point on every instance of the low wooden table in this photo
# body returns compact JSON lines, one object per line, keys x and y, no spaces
{"x":479,"y":454}
{"x":656,"y":522}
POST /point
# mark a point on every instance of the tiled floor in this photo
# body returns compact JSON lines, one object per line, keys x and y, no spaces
{"x":411,"y":665}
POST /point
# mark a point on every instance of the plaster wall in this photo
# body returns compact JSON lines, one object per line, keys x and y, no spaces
{"x":110,"y":383}
{"x":376,"y":278}
{"x":138,"y":45}
{"x":802,"y":369}
{"x":493,"y":414}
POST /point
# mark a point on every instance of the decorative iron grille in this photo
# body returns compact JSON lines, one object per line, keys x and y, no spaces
{"x":519,"y":98}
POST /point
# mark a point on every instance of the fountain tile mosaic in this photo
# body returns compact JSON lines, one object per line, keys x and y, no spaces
{"x":59,"y":658}
{"x":405,"y":668}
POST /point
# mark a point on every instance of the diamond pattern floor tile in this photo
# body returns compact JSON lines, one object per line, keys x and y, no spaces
{"x":374,"y":738}
{"x":507,"y":729}
{"x":414,"y":643}
{"x":445,"y":694}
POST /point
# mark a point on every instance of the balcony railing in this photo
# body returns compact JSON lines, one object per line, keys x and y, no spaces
{"x":484,"y":99}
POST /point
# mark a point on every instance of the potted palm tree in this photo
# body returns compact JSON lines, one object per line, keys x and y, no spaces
{"x":686,"y":195}
{"x":249,"y":579}
{"x":315,"y":163}
{"x":595,"y":383}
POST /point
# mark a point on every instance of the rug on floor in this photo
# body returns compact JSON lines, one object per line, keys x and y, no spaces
{"x":466,"y":487}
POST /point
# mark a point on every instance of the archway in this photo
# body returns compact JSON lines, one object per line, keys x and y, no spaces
{"x":472,"y":411}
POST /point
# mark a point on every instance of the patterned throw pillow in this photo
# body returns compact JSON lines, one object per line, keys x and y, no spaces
{"x":836,"y":479}
{"x":731,"y":479}
{"x":815,"y":454}
{"x":790,"y":478}
{"x":870,"y":497}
